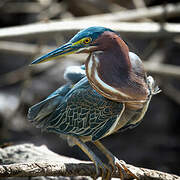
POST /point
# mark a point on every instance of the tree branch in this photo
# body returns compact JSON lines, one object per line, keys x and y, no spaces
{"x":42,"y":162}
{"x":171,"y":71}
{"x":30,"y":49}
{"x":26,"y":7}
{"x":136,"y":14}
{"x":140,"y":29}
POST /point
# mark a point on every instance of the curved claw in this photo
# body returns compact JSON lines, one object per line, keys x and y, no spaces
{"x":121,"y":165}
{"x":114,"y":162}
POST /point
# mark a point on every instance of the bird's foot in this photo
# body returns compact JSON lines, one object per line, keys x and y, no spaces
{"x":121,"y":166}
{"x":103,"y":170}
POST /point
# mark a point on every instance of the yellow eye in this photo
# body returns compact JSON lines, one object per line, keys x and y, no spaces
{"x":87,"y":40}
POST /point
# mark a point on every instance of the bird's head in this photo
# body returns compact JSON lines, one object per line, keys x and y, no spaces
{"x":109,"y":68}
{"x":85,"y":41}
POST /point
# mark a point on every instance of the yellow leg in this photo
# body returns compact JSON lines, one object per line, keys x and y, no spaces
{"x":106,"y":172}
{"x":114,"y":161}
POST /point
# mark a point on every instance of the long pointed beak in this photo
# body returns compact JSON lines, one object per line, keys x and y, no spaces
{"x":63,"y":50}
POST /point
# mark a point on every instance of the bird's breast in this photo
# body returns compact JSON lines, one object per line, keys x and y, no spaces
{"x":97,"y":82}
{"x":112,"y":80}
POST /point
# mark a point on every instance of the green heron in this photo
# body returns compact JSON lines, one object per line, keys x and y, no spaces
{"x":111,"y":93}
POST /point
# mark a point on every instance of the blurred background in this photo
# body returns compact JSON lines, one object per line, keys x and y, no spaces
{"x":155,"y":37}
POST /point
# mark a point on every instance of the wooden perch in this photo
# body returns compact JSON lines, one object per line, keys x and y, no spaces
{"x":49,"y":29}
{"x":27,"y":160}
{"x":73,"y":169}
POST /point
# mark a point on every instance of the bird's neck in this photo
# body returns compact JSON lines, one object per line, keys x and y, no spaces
{"x":110,"y":73}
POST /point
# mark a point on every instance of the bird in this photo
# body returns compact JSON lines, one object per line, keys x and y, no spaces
{"x":110,"y":93}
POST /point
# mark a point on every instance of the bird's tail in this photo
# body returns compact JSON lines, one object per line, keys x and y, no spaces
{"x":40,"y":112}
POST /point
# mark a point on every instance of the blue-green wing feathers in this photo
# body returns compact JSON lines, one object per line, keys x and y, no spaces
{"x":81,"y":112}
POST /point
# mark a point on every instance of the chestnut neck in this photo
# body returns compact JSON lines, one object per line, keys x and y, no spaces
{"x":112,"y":63}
